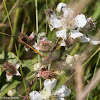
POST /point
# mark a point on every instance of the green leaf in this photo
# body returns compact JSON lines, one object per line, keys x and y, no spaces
{"x":29,"y":63}
{"x":61,"y":81}
{"x":12,"y":58}
{"x":8,"y":87}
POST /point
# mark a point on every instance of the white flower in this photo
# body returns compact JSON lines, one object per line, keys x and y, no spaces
{"x":62,"y":34}
{"x":50,"y":84}
{"x":63,"y":91}
{"x":46,"y":94}
{"x":55,"y":22}
{"x":67,"y":13}
{"x":35,"y":95}
{"x":60,"y":6}
{"x":75,"y":34}
{"x":80,"y":21}
{"x":13,"y":70}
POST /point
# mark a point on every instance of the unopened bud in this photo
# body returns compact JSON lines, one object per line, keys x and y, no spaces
{"x":11,"y":92}
{"x":69,"y":59}
{"x":37,"y":66}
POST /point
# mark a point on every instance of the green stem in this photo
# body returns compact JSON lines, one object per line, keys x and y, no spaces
{"x":36,"y":16}
{"x":84,"y":63}
{"x":22,"y":73}
{"x":91,"y":56}
{"x":39,"y":60}
{"x":46,"y":21}
{"x":7,"y":15}
{"x":16,"y":3}
{"x":14,"y":29}
{"x":95,"y":70}
{"x":40,"y":85}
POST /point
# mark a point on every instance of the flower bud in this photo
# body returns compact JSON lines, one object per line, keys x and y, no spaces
{"x":69,"y":59}
{"x":37,"y":66}
{"x":44,"y":46}
{"x":11,"y":92}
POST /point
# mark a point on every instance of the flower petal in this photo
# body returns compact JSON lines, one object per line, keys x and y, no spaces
{"x":17,"y":73}
{"x":60,"y":5}
{"x":9,"y":77}
{"x":17,"y":66}
{"x":94,"y":40}
{"x":62,"y":43}
{"x":84,"y":39}
{"x":80,"y":20}
{"x":62,"y":34}
{"x":50,"y":84}
{"x":75,"y":34}
{"x":46,"y":94}
{"x":32,"y":36}
{"x":67,"y":13}
{"x":35,"y":95}
{"x":56,"y":23}
{"x":63,"y":91}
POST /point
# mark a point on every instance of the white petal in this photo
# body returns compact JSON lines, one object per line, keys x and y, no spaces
{"x":27,"y":49}
{"x":50,"y":84}
{"x":60,"y":5}
{"x":62,"y":34}
{"x":17,"y":73}
{"x":67,"y":13}
{"x":63,"y":91}
{"x":84,"y":39}
{"x":36,"y":46}
{"x":94,"y":40}
{"x":32,"y":35}
{"x":61,"y":98}
{"x":35,"y":95}
{"x":80,"y":21}
{"x":56,"y":23}
{"x":9,"y":77}
{"x":75,"y":34}
{"x":46,"y":94}
{"x":62,"y":43}
{"x":17,"y":66}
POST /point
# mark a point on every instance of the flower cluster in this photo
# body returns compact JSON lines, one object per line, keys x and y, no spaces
{"x":70,"y":27}
{"x":47,"y":92}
